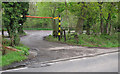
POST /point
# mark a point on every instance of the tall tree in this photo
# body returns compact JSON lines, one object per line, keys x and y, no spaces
{"x":11,"y":18}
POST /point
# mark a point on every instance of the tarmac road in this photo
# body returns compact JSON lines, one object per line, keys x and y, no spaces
{"x":102,"y":63}
{"x":34,"y":39}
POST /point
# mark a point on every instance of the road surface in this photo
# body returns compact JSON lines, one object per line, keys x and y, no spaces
{"x":47,"y":51}
{"x":102,"y":63}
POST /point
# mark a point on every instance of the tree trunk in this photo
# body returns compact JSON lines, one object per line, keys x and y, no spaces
{"x":54,"y":24}
{"x":110,"y":29}
{"x":101,"y":19}
{"x":16,"y":39}
{"x":79,"y":26}
{"x":119,"y":16}
{"x":107,"y":23}
{"x":13,"y":34}
{"x":88,"y":28}
{"x":101,"y":24}
{"x":67,"y":18}
{"x":2,"y":31}
{"x":12,"y":40}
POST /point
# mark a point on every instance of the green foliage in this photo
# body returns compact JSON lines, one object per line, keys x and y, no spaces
{"x":71,"y":12}
{"x":88,"y":11}
{"x":24,"y":49}
{"x":6,"y":42}
{"x":43,"y":9}
{"x":11,"y":58}
{"x":90,"y":40}
{"x":11,"y":18}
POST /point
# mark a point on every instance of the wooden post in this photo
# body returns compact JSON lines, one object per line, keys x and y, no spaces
{"x":64,"y":35}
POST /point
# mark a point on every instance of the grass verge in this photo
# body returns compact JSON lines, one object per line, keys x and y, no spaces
{"x":13,"y":56}
{"x":107,"y":41}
